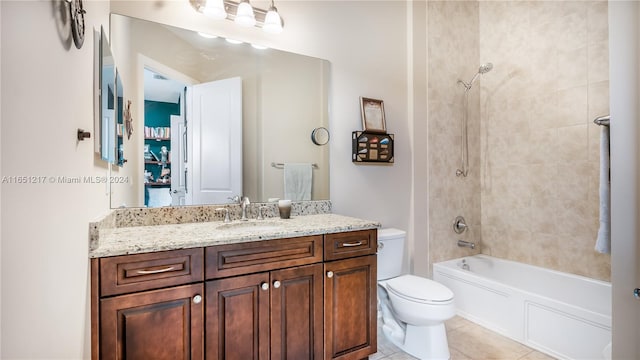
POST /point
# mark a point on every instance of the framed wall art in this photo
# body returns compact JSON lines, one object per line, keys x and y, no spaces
{"x":372,"y":111}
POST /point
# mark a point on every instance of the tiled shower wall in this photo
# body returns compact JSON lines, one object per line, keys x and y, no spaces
{"x":453,"y":53}
{"x":540,"y":148}
{"x":532,"y":190}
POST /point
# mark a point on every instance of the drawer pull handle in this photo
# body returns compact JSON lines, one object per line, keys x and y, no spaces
{"x":352,"y":244}
{"x":158,"y":271}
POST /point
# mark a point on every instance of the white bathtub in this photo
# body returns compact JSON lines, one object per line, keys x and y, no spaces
{"x":566,"y":316}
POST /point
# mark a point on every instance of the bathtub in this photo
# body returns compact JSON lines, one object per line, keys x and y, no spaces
{"x":566,"y":316}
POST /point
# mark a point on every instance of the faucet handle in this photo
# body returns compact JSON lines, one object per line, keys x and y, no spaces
{"x":261,"y":210}
{"x":226,"y":214}
{"x":246,"y":201}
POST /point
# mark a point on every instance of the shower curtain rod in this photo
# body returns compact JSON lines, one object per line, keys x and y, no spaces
{"x":602,"y":120}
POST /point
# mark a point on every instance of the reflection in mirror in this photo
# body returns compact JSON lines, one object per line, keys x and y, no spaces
{"x":231,"y":112}
{"x":120,"y":121}
{"x":107,"y":101}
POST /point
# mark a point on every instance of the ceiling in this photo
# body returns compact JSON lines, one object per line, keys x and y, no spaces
{"x":159,"y":88}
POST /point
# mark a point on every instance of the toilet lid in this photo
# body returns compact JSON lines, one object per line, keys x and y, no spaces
{"x":419,"y":289}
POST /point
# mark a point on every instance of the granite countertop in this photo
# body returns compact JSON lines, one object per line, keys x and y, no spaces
{"x":143,"y":239}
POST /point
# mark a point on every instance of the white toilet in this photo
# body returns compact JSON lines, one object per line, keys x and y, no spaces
{"x":413,"y":308}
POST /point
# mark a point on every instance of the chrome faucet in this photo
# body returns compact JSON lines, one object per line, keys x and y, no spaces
{"x":245,"y":201}
{"x":468,"y":244}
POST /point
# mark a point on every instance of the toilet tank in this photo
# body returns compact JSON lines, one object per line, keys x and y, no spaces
{"x":390,"y":252}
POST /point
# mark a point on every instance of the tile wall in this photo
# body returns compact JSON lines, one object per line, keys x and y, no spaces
{"x":534,"y":150}
{"x":453,"y":51}
{"x":539,"y":146}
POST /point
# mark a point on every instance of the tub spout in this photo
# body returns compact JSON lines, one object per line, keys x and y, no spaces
{"x":462,"y":243}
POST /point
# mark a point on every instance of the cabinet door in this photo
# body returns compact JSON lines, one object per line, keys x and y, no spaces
{"x":350,"y":308}
{"x":296,"y":313}
{"x":237,"y":318}
{"x":158,"y":324}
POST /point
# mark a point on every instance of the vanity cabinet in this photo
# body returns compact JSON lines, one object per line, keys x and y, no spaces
{"x":150,"y":305}
{"x":350,"y":295}
{"x":309,"y":297}
{"x":274,"y":314}
{"x":158,"y":324}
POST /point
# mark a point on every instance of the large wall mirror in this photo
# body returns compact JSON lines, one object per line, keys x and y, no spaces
{"x":213,"y":119}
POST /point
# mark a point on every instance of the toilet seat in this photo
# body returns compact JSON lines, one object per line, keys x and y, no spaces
{"x":420,"y":290}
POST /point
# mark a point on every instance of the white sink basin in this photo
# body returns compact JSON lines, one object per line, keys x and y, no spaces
{"x":254,"y":226}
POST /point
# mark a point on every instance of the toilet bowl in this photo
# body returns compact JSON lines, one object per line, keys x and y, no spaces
{"x":413,"y":309}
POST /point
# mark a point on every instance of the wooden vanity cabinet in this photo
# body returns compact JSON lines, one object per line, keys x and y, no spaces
{"x":350,"y":295}
{"x":149,"y":306}
{"x":269,"y":315}
{"x":157,"y":324}
{"x":277,"y":299}
{"x":275,"y":314}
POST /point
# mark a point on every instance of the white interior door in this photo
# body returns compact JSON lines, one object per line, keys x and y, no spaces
{"x":215,"y":134}
{"x":178,"y":161}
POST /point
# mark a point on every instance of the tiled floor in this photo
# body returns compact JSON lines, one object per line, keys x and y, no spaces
{"x":467,"y":341}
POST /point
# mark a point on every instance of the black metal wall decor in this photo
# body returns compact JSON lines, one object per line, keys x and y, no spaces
{"x":371,"y":147}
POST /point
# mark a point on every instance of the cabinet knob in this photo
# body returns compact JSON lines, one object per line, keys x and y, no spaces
{"x":329,"y":274}
{"x":265,"y":286}
{"x":197,"y":299}
{"x":276,"y":284}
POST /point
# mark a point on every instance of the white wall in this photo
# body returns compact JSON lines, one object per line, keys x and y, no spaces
{"x":47,"y":85}
{"x":47,"y":88}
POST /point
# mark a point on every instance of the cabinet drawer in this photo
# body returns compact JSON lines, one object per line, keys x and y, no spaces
{"x":251,"y":257}
{"x":131,"y":273}
{"x":350,"y":244}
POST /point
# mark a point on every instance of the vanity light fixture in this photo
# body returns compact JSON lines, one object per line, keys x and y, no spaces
{"x":272,"y":21}
{"x":214,"y":9}
{"x":242,"y":13}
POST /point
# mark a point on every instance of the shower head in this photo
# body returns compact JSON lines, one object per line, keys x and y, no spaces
{"x":485,"y":68}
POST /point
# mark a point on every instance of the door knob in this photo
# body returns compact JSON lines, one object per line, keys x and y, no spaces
{"x":329,"y":274}
{"x":197,"y":299}
{"x":276,"y":284}
{"x":265,"y":286}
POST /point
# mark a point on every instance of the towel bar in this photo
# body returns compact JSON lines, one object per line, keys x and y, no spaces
{"x":602,"y":120}
{"x":281,"y":165}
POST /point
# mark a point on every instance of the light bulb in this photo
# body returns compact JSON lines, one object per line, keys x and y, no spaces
{"x":272,"y":21}
{"x":206,"y":36}
{"x":215,"y":9}
{"x":244,"y":15}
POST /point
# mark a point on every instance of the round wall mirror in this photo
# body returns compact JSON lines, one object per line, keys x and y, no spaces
{"x":320,"y":136}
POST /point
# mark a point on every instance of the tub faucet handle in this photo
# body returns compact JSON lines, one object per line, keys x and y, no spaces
{"x":459,"y":225}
